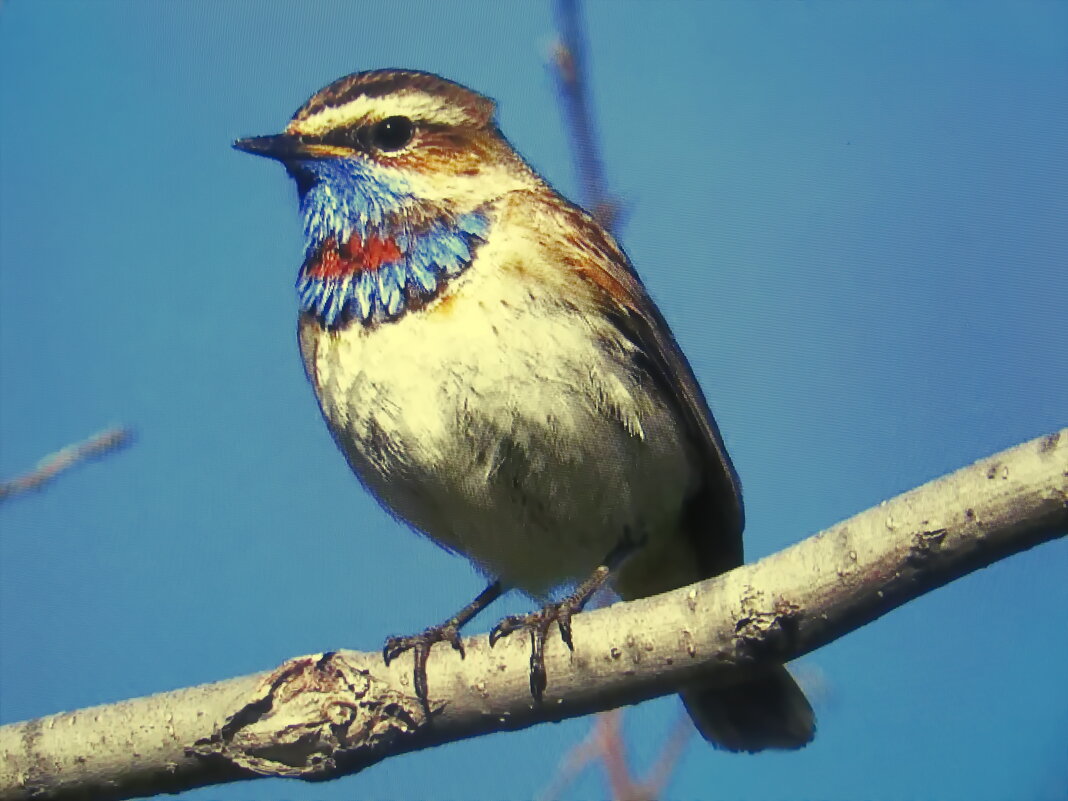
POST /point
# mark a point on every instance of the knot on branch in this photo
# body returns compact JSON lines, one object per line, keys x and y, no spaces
{"x":762,"y":633}
{"x":927,"y":543}
{"x":312,"y":718}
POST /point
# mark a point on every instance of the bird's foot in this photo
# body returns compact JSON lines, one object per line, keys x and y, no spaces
{"x":420,"y":645}
{"x":449,"y":631}
{"x":538,"y":624}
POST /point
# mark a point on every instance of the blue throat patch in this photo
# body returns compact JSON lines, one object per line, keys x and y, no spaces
{"x":362,"y":259}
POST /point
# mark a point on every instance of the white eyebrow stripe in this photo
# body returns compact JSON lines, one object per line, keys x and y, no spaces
{"x":413,"y":104}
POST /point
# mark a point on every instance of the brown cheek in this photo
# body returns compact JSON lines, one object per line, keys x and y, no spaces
{"x":450,"y":152}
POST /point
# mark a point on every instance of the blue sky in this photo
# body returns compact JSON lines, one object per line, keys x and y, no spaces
{"x":852,"y":215}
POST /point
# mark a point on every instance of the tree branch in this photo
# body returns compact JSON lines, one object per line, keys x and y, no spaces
{"x":323,"y":716}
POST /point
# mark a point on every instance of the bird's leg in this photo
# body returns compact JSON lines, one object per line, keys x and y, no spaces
{"x":538,"y":623}
{"x":449,"y":632}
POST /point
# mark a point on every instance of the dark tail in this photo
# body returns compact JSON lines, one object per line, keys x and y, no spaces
{"x":767,"y":712}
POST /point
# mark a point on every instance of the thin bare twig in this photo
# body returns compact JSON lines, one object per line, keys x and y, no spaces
{"x":96,"y":447}
{"x":605,"y":744}
{"x":576,"y":759}
{"x":670,"y":754}
{"x":569,"y":59}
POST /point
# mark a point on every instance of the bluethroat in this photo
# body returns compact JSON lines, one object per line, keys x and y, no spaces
{"x":497,"y":376}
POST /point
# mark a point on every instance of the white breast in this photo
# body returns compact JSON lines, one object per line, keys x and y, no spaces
{"x":505,"y":426}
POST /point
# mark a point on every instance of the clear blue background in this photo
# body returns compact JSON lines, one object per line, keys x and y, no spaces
{"x":853,"y":215}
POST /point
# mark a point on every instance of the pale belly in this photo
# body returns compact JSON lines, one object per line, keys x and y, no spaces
{"x":502,"y":429}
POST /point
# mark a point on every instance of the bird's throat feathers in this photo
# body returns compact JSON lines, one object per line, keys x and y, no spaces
{"x":370,"y":253}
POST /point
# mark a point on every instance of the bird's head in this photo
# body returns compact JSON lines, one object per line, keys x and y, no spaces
{"x":379,"y":151}
{"x":397,"y":172}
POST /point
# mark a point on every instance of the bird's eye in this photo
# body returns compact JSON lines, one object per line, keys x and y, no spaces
{"x":392,"y":133}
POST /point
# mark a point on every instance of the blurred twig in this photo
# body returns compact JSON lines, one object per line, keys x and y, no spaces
{"x":605,"y":743}
{"x":569,"y":60}
{"x":97,"y":446}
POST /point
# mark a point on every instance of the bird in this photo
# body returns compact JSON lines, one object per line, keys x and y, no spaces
{"x":497,"y":376}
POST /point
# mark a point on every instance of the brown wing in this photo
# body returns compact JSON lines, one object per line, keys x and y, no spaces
{"x":714,"y":516}
{"x":770,"y":710}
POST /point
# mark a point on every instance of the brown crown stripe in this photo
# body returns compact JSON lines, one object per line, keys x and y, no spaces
{"x":383,"y":82}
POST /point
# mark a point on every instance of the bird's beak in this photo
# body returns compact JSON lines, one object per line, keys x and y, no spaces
{"x":282,"y":147}
{"x":286,"y":147}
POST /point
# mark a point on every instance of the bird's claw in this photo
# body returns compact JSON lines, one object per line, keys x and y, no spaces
{"x":447,"y":632}
{"x":420,"y":645}
{"x":538,"y":624}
